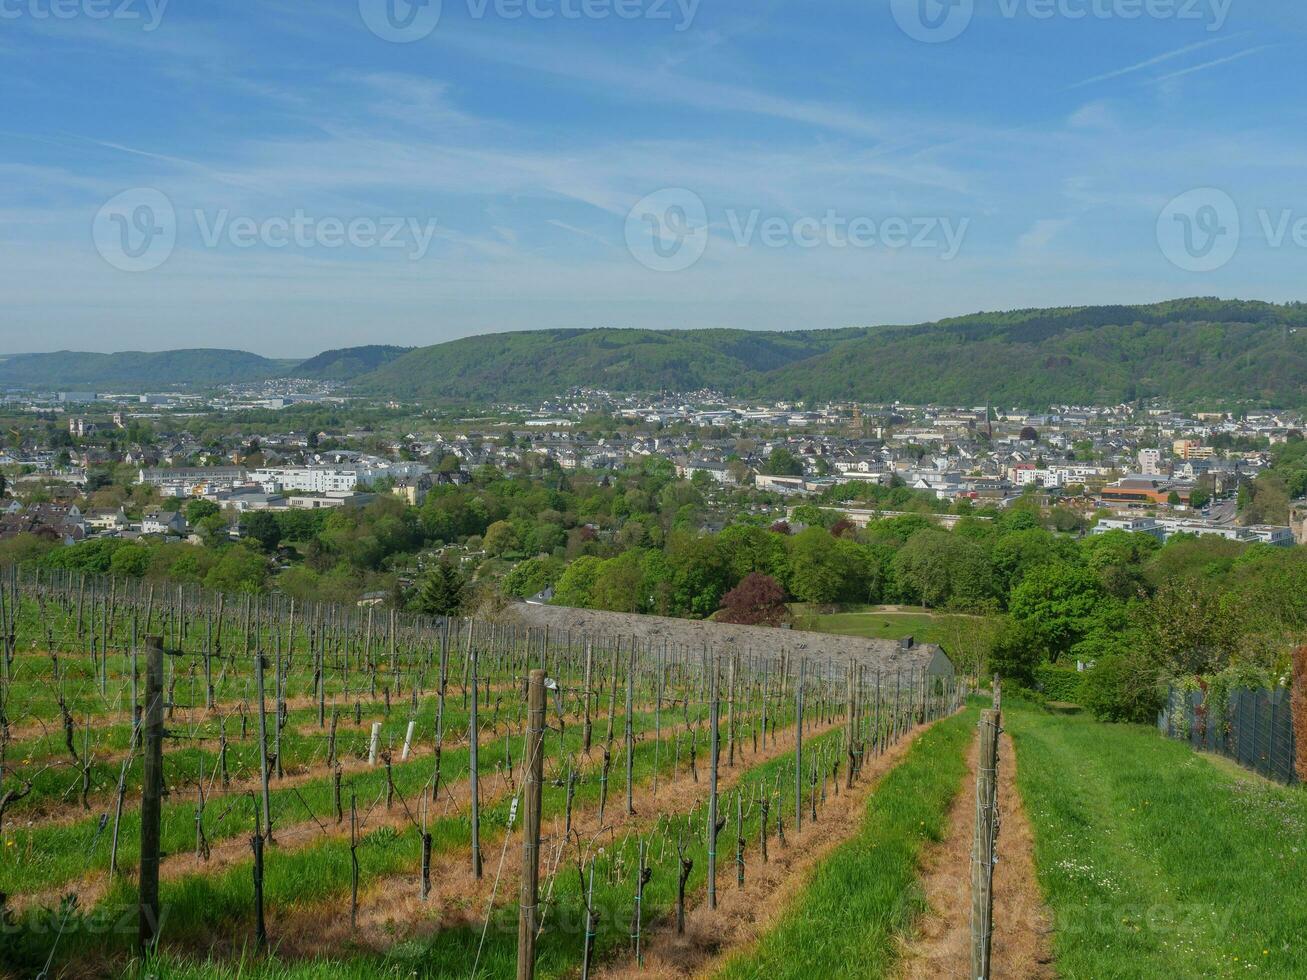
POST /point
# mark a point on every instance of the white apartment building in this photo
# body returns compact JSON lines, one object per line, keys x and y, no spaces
{"x":306,"y":479}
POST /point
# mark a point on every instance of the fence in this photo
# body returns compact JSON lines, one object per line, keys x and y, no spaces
{"x":1256,"y":730}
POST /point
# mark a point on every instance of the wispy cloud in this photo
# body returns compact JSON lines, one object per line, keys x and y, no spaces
{"x":1156,"y":60}
{"x":1212,"y":64}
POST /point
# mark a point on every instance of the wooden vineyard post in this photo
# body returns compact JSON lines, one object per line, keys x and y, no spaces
{"x":353,"y":861}
{"x":982,"y":851}
{"x":532,"y":788}
{"x":589,"y":697}
{"x":730,"y":709}
{"x":474,"y":738}
{"x":263,"y":743}
{"x":714,"y":746}
{"x":998,"y":693}
{"x":260,"y":925}
{"x":151,"y":798}
{"x":630,"y":735}
{"x":798,"y":749}
{"x":851,"y":728}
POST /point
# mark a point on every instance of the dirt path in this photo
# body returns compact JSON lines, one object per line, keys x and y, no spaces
{"x":941,"y":947}
{"x":745,"y":914}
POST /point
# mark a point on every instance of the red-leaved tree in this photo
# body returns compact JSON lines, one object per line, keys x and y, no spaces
{"x":758,"y":600}
{"x":781,"y":527}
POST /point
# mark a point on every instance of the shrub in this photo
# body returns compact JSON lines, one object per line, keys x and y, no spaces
{"x":758,"y":600}
{"x":1123,"y":687}
{"x":1059,"y":683}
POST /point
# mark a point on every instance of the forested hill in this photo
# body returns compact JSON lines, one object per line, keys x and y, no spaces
{"x":1192,"y":351}
{"x":539,"y":363}
{"x":346,"y":363}
{"x":156,"y":370}
{"x":1196,"y":351}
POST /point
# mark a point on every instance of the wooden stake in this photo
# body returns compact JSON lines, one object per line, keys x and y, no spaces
{"x":982,"y":851}
{"x":534,"y":763}
{"x":151,"y":799}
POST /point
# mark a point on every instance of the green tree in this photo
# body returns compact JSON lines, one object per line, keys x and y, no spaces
{"x":531,"y":576}
{"x":263,"y":528}
{"x":942,"y":570}
{"x":782,"y":462}
{"x":131,"y":560}
{"x":1016,"y":652}
{"x":576,"y":585}
{"x":441,"y":591}
{"x":1061,"y":604}
{"x":197,"y":510}
{"x":500,"y":537}
{"x":239,"y":569}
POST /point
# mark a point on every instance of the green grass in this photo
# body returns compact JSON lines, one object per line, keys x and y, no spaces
{"x":1156,"y":862}
{"x":872,"y":623}
{"x":866,"y":893}
{"x":451,"y":951}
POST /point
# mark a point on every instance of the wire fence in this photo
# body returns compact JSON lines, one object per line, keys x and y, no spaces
{"x":1255,"y":728}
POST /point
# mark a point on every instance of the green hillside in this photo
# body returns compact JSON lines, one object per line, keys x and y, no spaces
{"x":346,"y":363}
{"x":538,"y":363}
{"x":1208,"y":351}
{"x":150,"y":369}
{"x":1188,"y":350}
{"x":1195,"y":350}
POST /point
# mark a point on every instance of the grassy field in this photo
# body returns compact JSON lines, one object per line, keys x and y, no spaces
{"x":867,"y":892}
{"x":894,"y":623}
{"x":1155,"y":861}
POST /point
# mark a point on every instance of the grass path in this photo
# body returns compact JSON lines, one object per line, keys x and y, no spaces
{"x":1157,"y":862}
{"x":846,"y":921}
{"x":941,"y":943}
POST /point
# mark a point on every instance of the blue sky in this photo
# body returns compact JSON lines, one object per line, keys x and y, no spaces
{"x":790,"y":165}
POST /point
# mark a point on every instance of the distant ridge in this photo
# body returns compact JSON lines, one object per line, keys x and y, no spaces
{"x":1193,"y":351}
{"x":346,"y":363}
{"x":156,"y":370}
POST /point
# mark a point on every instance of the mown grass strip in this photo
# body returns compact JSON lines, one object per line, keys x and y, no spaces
{"x":866,"y":892}
{"x":1157,"y":861}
